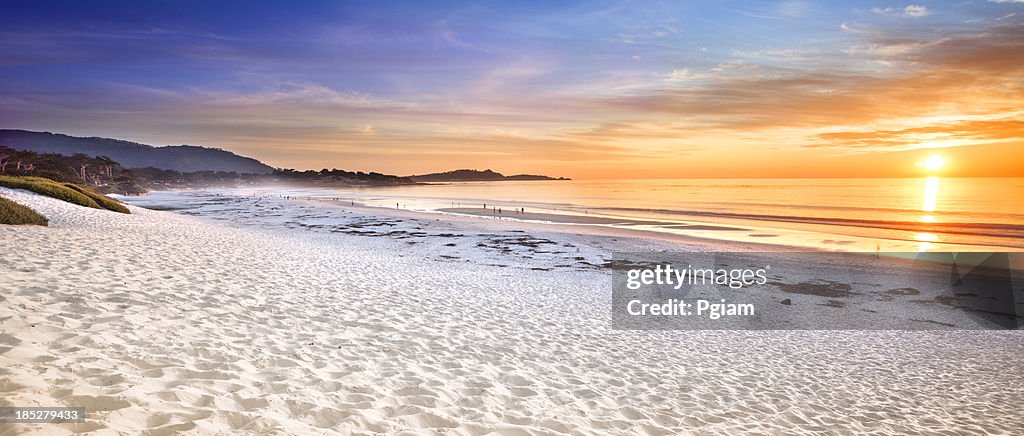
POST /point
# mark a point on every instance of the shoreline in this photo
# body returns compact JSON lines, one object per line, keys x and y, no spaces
{"x":637,"y":236}
{"x":810,"y":234}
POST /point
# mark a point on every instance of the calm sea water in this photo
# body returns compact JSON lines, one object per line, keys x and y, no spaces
{"x":850,"y":214}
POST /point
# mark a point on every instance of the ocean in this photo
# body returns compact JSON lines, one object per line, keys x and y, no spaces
{"x":921,"y":214}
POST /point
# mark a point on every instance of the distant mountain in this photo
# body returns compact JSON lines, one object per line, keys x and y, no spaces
{"x":476,"y":176}
{"x":183,"y":158}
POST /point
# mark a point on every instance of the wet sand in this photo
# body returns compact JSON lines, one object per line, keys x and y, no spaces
{"x":579,"y":219}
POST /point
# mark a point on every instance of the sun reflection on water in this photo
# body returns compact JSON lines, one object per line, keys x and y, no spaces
{"x":931,"y":195}
{"x":925,"y":241}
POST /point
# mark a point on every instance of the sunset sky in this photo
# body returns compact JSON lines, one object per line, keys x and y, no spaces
{"x":578,"y":89}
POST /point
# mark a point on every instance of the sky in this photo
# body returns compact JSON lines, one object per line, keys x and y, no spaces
{"x":594,"y":89}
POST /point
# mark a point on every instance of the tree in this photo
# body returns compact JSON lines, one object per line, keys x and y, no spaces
{"x":5,"y":159}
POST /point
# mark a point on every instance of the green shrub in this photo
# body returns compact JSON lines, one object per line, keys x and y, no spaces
{"x":100,"y":199}
{"x":14,"y":213}
{"x":49,"y":188}
{"x":69,"y":192}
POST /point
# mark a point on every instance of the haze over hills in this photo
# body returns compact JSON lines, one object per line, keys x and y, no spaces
{"x":194,"y":159}
{"x":465,"y":175}
{"x":183,"y":158}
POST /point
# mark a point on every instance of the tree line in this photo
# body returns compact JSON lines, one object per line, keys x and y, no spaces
{"x":106,"y":175}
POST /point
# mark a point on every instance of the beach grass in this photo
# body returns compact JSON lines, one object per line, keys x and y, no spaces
{"x":17,"y":214}
{"x":68,"y":192}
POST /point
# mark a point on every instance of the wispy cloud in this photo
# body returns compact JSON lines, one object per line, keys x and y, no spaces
{"x":953,"y":70}
{"x":906,"y":11}
{"x":951,"y":134}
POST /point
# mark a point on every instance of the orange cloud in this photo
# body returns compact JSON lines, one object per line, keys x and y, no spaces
{"x":976,"y":131}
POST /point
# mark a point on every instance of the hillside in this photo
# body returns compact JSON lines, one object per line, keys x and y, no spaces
{"x":184,"y":158}
{"x":107,"y":176}
{"x":476,"y":176}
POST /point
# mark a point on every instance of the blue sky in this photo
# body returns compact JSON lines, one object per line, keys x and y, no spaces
{"x":577,"y":88}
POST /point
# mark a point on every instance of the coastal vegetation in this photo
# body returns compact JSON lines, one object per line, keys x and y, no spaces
{"x":100,"y":199}
{"x":68,"y":192}
{"x":97,"y":172}
{"x":81,"y":161}
{"x":104,"y":175}
{"x":17,"y":214}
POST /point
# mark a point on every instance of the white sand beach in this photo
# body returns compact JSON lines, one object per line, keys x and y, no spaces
{"x":265,"y":318}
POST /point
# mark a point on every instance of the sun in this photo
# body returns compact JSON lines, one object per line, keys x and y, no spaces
{"x":933,"y":163}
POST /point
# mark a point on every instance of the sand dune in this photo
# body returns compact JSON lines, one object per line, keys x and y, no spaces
{"x":161,"y":323}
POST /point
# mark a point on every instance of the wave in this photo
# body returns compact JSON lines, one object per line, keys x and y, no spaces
{"x":977,"y":229}
{"x":891,"y":210}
